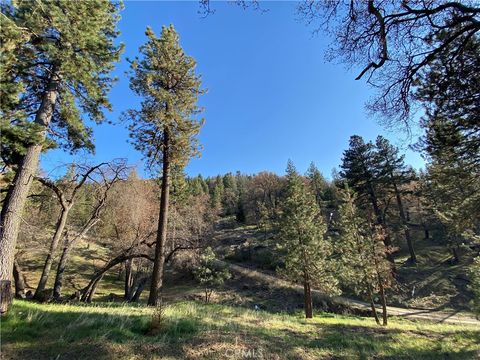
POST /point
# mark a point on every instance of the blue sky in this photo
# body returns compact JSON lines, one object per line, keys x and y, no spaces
{"x":271,"y":95}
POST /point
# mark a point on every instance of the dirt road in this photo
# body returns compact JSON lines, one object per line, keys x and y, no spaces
{"x":430,"y":315}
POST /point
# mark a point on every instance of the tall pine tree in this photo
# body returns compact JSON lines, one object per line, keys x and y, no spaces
{"x":394,"y":174}
{"x":165,"y":126}
{"x":302,"y":234}
{"x":360,"y":170}
{"x":61,"y":58}
{"x":365,"y":267}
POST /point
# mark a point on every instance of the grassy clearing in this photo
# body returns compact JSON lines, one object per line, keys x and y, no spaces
{"x":195,"y":330}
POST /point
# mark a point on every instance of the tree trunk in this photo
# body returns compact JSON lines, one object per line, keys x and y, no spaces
{"x":408,"y":238}
{"x":94,"y":288}
{"x":62,"y":221}
{"x":384,"y":304}
{"x":19,"y":281}
{"x":374,"y":310}
{"x":62,"y":264}
{"x":128,"y":279}
{"x":139,"y":289}
{"x":14,"y":205}
{"x":380,"y":221}
{"x":113,"y":262}
{"x":307,"y":295}
{"x":5,"y":295}
{"x":159,"y":262}
{"x":372,"y":304}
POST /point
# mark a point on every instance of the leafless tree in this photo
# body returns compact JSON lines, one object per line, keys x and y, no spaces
{"x":66,"y":192}
{"x":102,"y":182}
{"x":393,"y":42}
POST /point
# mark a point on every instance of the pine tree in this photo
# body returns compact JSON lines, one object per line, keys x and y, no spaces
{"x":365,"y":267}
{"x":454,"y":193}
{"x":217,"y":193}
{"x":62,"y":55}
{"x":474,"y":273}
{"x":302,"y":234}
{"x":209,"y":274}
{"x":360,"y":170}
{"x":165,"y":127}
{"x":449,"y":90}
{"x":318,"y":183}
{"x":393,"y":172}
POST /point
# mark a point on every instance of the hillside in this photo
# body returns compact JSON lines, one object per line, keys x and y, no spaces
{"x":255,"y":312}
{"x":433,"y":283}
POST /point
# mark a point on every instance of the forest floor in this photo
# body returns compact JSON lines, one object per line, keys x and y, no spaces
{"x":194,"y":330}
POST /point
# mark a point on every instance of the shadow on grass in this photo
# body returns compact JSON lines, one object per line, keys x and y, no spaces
{"x":32,"y":331}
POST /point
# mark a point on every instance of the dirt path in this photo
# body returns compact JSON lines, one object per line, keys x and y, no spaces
{"x":430,"y":315}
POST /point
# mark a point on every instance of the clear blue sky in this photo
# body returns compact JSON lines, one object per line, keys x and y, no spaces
{"x":271,"y":95}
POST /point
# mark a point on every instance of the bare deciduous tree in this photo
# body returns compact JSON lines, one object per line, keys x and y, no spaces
{"x":103,"y":181}
{"x":393,"y":41}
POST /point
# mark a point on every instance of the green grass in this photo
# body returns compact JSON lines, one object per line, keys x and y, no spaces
{"x":194,"y":330}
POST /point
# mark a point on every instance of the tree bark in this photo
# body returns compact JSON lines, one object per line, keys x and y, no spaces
{"x":307,"y":295}
{"x":401,"y":210}
{"x":94,"y":288}
{"x":14,"y":205}
{"x":384,"y":304}
{"x":113,"y":262}
{"x":139,"y":289}
{"x":62,"y":264}
{"x":19,"y":280}
{"x":159,"y":261}
{"x":374,"y":310}
{"x":128,"y":279}
{"x":5,"y":295}
{"x":62,"y":221}
{"x":380,"y":221}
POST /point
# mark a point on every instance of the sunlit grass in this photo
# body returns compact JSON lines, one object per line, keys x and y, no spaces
{"x":119,"y":331}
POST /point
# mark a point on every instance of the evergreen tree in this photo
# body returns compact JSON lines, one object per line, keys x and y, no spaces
{"x":454,"y":194}
{"x":360,"y":170}
{"x":449,"y":89}
{"x":209,"y":274}
{"x":365,"y":267}
{"x":474,"y":273}
{"x":217,"y":193}
{"x":393,"y":172}
{"x":318,"y":183}
{"x":230,"y":194}
{"x":196,"y":185}
{"x":62,"y":54}
{"x":165,"y":127}
{"x":302,"y":232}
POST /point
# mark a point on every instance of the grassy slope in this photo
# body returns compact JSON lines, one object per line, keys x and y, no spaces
{"x":194,"y":330}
